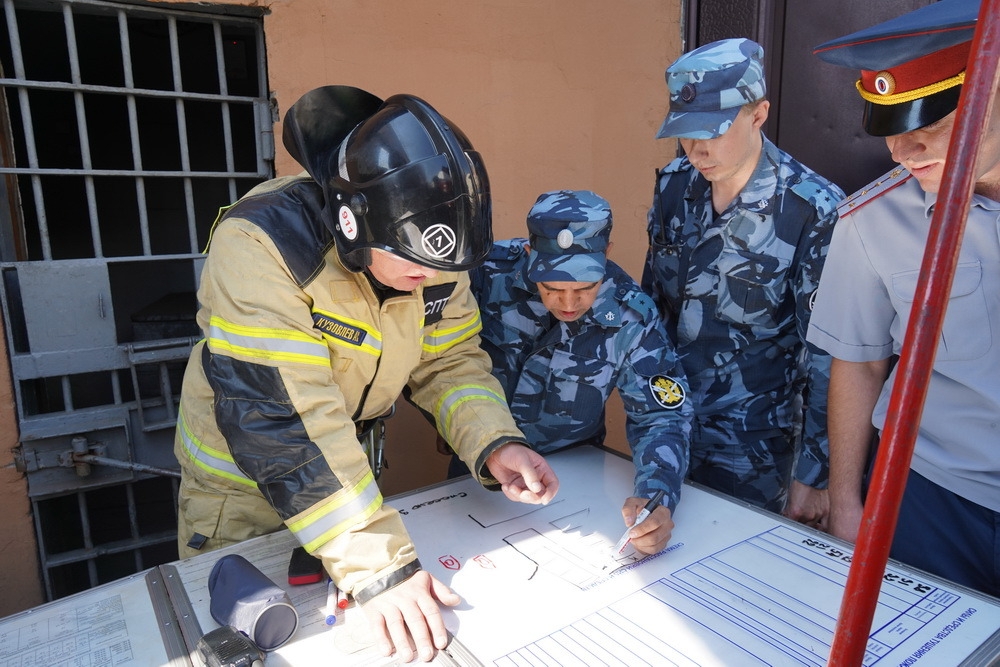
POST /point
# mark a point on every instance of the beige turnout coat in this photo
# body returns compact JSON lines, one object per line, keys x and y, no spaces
{"x":298,"y":349}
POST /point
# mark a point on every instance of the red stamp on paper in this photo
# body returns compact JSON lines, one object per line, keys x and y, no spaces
{"x":485,"y":562}
{"x":450,"y":562}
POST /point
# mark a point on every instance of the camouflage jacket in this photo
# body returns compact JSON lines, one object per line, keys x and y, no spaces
{"x":558,"y":375}
{"x":736,"y":290}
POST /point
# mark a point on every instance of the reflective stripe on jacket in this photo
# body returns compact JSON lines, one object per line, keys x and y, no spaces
{"x":297,"y":350}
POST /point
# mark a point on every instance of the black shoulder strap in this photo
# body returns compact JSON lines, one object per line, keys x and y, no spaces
{"x":662,"y":199}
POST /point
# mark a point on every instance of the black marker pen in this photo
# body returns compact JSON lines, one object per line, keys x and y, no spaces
{"x":646,"y":511}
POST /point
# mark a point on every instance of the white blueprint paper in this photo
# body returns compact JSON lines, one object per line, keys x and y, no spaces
{"x":735,"y":586}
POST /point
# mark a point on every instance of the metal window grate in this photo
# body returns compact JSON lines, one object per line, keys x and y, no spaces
{"x":124,"y":128}
{"x":171,"y":122}
{"x":92,"y":537}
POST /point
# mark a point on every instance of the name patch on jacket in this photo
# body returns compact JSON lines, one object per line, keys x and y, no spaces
{"x":667,"y":391}
{"x":435,"y":299}
{"x":340,"y":330}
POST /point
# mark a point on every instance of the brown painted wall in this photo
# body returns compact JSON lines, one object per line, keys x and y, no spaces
{"x":20,"y":583}
{"x":555,"y":94}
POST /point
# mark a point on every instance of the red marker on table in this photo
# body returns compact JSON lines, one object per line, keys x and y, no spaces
{"x":342,"y":599}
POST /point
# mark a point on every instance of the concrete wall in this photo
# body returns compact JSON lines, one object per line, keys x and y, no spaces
{"x":555,"y":94}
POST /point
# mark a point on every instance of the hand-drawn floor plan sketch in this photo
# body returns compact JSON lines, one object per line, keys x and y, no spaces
{"x":734,"y":586}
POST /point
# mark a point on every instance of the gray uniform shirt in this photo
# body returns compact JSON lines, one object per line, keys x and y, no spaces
{"x":863,"y":307}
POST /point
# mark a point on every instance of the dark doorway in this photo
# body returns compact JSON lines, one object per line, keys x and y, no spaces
{"x":815,"y":109}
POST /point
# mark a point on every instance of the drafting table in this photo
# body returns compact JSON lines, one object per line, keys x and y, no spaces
{"x":540,"y":586}
{"x":735,"y":586}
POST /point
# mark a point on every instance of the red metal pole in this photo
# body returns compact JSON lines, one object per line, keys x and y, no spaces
{"x":906,"y":402}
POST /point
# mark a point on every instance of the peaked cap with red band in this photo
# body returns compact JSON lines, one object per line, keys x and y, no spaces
{"x":912,"y":66}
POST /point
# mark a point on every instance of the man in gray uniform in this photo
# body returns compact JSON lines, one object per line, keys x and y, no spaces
{"x":912,"y":69}
{"x":738,"y":233}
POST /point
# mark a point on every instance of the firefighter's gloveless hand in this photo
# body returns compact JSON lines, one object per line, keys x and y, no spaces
{"x":410,"y":611}
{"x":524,"y":475}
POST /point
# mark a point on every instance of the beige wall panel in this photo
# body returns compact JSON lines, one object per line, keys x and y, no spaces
{"x":553,"y":94}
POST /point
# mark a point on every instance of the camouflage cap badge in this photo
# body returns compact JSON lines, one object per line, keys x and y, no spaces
{"x":568,"y":231}
{"x":709,"y":86}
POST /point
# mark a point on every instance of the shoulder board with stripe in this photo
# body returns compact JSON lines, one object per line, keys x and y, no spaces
{"x":640,"y":302}
{"x":817,"y":191}
{"x":873,"y":190}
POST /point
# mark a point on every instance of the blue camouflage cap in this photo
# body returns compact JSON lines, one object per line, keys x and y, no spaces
{"x":568,"y":231}
{"x":709,"y":86}
{"x":912,"y":66}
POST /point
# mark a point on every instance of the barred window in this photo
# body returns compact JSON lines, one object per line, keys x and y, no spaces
{"x":123,"y":129}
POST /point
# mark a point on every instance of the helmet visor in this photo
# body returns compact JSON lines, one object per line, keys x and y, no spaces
{"x":430,"y":215}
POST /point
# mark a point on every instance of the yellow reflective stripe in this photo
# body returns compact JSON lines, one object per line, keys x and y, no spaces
{"x":330,"y":519}
{"x":210,"y":460}
{"x":267,"y":344}
{"x":215,"y":223}
{"x":442,"y":339}
{"x":373,"y":338}
{"x":451,"y":401}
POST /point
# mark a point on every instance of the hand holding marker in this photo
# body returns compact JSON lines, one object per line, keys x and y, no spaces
{"x":646,"y":511}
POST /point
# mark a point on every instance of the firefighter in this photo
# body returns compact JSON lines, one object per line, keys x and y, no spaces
{"x":323,"y":298}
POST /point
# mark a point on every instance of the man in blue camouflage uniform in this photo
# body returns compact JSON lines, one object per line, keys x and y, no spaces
{"x":738,"y":232}
{"x":564,"y":327}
